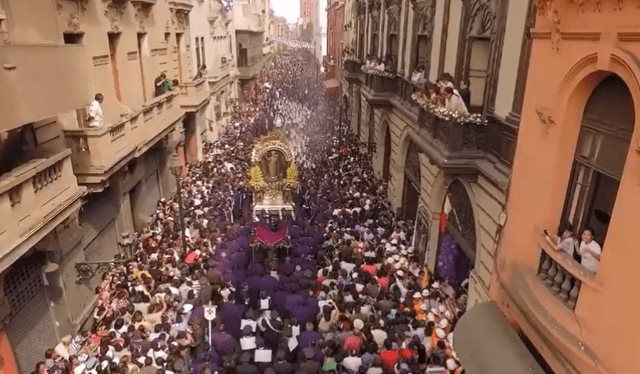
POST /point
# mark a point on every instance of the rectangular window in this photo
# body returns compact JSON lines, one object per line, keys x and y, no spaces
{"x":142,"y":45}
{"x":73,"y":37}
{"x":204,"y":59}
{"x":113,"y":58}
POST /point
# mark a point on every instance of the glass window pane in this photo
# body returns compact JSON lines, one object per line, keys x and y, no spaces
{"x":586,"y":144}
{"x":604,"y":198}
{"x":611,"y":154}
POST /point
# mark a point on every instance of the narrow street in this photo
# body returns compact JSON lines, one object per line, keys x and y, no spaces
{"x":343,"y":276}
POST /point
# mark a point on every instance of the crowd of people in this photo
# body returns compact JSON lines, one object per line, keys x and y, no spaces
{"x":349,"y":295}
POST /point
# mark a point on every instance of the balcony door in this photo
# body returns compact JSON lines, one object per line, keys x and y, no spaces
{"x":386,"y":160}
{"x":411,"y":191}
{"x":603,"y":146}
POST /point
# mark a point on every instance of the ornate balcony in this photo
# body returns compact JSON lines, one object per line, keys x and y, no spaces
{"x":562,"y":275}
{"x":39,"y":81}
{"x":194,"y":95}
{"x":352,"y":72}
{"x":97,"y":153}
{"x":454,"y":135}
{"x":34,"y":198}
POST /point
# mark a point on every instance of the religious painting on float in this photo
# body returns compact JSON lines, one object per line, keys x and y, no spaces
{"x":274,"y":175}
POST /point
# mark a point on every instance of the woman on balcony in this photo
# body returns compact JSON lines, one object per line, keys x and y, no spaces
{"x":454,"y":101}
{"x":589,"y":251}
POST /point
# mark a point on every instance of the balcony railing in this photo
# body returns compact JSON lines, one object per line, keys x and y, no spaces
{"x":97,"y":151}
{"x":454,"y":135}
{"x":563,"y":276}
{"x":193,"y":94}
{"x":32,"y":193}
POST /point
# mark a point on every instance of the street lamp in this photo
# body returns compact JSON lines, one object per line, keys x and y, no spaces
{"x":127,"y":244}
{"x":176,"y":169}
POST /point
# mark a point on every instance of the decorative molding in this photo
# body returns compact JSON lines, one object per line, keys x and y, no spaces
{"x":132,"y":55}
{"x":100,"y":60}
{"x":581,"y":35}
{"x":482,"y":19}
{"x":535,"y":34}
{"x":629,"y":36}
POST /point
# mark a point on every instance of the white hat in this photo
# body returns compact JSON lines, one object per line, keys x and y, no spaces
{"x":79,"y":369}
{"x":441,"y":308}
{"x":403,"y":252}
{"x":430,"y":317}
{"x":394,"y":241}
{"x":400,"y":273}
{"x":358,"y":324}
{"x":423,"y":307}
{"x":417,"y":295}
{"x":410,"y":249}
{"x":451,"y":364}
{"x":435,"y":311}
{"x":447,"y":314}
{"x":436,"y":285}
{"x":398,"y":265}
{"x":440,"y":333}
{"x":187,"y":308}
{"x":425,"y":292}
{"x":443,"y":323}
{"x":391,"y":260}
{"x":396,"y":257}
{"x":450,"y":338}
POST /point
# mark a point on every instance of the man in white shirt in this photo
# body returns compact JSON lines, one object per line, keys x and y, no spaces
{"x":96,"y":118}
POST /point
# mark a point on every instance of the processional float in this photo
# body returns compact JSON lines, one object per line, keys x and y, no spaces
{"x":274,"y":183}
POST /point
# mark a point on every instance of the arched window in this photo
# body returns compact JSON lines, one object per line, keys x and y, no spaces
{"x":603,"y":145}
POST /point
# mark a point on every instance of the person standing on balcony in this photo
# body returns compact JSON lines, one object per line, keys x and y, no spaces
{"x":589,"y":251}
{"x":96,"y":117}
{"x":160,"y":84}
{"x":454,"y":101}
{"x":465,"y":92}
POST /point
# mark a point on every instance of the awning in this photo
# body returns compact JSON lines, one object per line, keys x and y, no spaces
{"x":486,"y":343}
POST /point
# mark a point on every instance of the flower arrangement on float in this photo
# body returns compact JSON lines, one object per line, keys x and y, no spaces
{"x":445,"y":114}
{"x":371,"y":71}
{"x":256,"y":180}
{"x":352,"y":58}
{"x":292,"y":176}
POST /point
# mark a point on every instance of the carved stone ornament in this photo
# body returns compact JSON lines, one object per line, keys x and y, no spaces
{"x":142,"y":14}
{"x":375,"y":21}
{"x":544,"y":113}
{"x":73,"y":23}
{"x":114,"y":13}
{"x":362,"y":7}
{"x":425,"y":14}
{"x":544,"y":5}
{"x":392,"y":3}
{"x":182,"y":17}
{"x":394,"y":19}
{"x":555,"y":32}
{"x":482,"y":20}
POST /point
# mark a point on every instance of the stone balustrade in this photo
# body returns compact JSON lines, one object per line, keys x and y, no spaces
{"x":97,"y":151}
{"x":193,"y":95}
{"x":32,"y":193}
{"x":563,"y":276}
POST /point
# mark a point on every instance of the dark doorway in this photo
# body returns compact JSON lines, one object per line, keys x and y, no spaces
{"x":113,"y":58}
{"x":411,"y":190}
{"x":142,"y":40}
{"x":386,"y":162}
